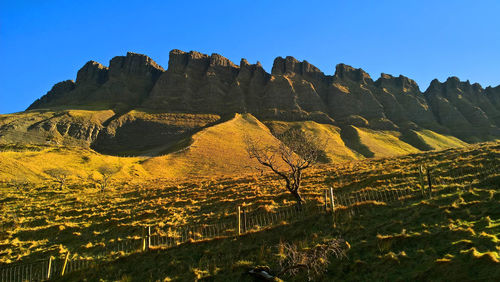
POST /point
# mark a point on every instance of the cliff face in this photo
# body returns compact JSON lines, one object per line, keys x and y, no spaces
{"x":126,"y":83}
{"x":294,"y":90}
{"x":195,"y":82}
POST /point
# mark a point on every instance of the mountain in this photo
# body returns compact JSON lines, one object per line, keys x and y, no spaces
{"x":199,"y":83}
{"x":136,"y":107}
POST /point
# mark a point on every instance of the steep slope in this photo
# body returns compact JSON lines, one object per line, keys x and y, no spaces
{"x":143,"y":132}
{"x":404,"y":103}
{"x":202,"y":145}
{"x":136,"y":132}
{"x":135,"y":107}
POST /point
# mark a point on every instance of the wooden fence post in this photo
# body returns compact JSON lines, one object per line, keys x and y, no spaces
{"x":65,"y":263}
{"x":244,"y":221}
{"x":238,"y":216}
{"x":358,"y":200}
{"x":49,"y":266}
{"x":421,"y":179}
{"x":332,"y":203}
{"x":149,"y":237}
{"x":429,"y":182}
{"x":333,"y":207}
{"x":326,"y":200}
{"x":144,"y":239}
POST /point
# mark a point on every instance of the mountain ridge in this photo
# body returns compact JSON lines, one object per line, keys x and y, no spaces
{"x":294,"y":90}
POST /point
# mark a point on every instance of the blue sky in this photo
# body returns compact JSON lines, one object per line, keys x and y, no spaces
{"x":44,"y":42}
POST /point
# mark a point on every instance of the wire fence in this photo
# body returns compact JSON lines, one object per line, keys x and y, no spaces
{"x":398,"y":189}
{"x":42,"y":270}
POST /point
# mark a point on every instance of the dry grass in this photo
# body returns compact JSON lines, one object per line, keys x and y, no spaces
{"x":216,"y":150}
{"x":41,"y":219}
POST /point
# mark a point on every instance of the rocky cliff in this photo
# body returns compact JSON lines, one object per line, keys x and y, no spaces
{"x":294,"y":90}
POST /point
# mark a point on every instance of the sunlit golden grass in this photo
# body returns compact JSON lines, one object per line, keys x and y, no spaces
{"x":20,"y":166}
{"x":384,"y":143}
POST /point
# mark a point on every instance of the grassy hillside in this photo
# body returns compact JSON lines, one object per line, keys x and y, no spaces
{"x":384,"y":143}
{"x":326,"y":135}
{"x":216,"y":150}
{"x":213,"y":150}
{"x":148,"y":133}
{"x":20,"y":163}
{"x":453,"y":235}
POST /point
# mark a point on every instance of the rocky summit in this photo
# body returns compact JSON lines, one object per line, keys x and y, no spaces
{"x":135,"y":103}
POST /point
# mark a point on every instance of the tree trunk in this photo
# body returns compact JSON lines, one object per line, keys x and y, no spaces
{"x":298,"y":198}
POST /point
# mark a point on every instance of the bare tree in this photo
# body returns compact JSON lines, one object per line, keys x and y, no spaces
{"x":60,"y":175}
{"x":288,"y":159}
{"x":313,"y":261}
{"x":295,"y":262}
{"x":106,"y":171}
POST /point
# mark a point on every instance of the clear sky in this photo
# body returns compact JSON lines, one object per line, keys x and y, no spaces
{"x":44,"y":42}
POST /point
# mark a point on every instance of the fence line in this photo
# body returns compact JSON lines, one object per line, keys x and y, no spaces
{"x":251,"y":221}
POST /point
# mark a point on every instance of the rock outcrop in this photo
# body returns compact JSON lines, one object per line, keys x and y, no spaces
{"x":92,"y":73}
{"x":294,"y":90}
{"x":464,"y":108}
{"x":56,"y":95}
